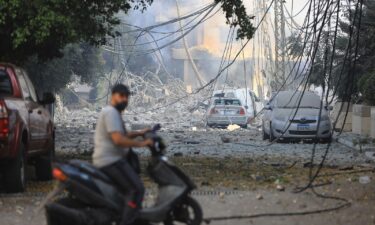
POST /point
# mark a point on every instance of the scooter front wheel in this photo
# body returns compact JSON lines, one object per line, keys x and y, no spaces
{"x":189,"y":212}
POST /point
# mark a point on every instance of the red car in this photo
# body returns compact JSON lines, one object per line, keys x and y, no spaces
{"x":26,"y":129}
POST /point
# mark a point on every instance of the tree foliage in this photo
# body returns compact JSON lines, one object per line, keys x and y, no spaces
{"x":345,"y":77}
{"x":82,"y":60}
{"x":45,"y":27}
{"x":236,"y":15}
{"x":47,"y":36}
{"x":367,"y":87}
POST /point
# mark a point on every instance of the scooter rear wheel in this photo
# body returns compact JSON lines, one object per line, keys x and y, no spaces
{"x":189,"y":213}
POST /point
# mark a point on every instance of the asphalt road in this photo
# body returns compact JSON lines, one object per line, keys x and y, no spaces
{"x":244,"y":194}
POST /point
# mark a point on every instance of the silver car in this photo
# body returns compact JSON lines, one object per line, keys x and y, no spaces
{"x":226,"y":111}
{"x":288,"y":116}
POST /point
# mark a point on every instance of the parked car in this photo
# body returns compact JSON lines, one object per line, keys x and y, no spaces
{"x":226,"y":111}
{"x":248,"y":99}
{"x":26,"y":129}
{"x":294,"y":115}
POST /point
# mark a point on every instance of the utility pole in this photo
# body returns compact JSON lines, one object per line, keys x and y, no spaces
{"x":280,"y":46}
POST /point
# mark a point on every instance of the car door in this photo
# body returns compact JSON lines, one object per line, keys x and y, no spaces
{"x":35,"y":114}
{"x":44,"y":114}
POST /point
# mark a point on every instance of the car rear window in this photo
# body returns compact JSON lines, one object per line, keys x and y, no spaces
{"x":5,"y":83}
{"x":227,"y":102}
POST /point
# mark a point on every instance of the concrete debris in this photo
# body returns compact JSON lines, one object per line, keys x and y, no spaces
{"x":280,"y":187}
{"x":259,"y":197}
{"x":364,"y":179}
{"x":370,"y":155}
{"x":233,"y":127}
{"x":225,"y":139}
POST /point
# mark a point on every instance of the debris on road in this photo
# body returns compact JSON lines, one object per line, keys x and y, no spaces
{"x":259,"y":197}
{"x":364,"y":179}
{"x":233,"y":127}
{"x":280,"y":187}
{"x":225,"y":139}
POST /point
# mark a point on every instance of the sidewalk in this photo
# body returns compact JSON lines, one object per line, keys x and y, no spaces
{"x":361,"y":143}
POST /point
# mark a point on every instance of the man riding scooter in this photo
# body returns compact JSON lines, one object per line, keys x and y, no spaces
{"x":113,"y":150}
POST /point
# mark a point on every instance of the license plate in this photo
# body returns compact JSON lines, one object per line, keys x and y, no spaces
{"x":231,"y":112}
{"x":303,"y":127}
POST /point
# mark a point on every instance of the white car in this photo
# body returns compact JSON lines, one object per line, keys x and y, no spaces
{"x":247,"y":97}
{"x":288,"y":116}
{"x":225,"y":111}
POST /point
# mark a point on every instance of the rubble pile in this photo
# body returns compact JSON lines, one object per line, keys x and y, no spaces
{"x":152,"y":102}
{"x":166,"y":103}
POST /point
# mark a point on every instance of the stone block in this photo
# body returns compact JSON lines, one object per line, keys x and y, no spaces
{"x":361,"y":119}
{"x":347,"y":127}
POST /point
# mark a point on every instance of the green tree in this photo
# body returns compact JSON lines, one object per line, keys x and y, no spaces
{"x":345,"y":77}
{"x":44,"y":27}
{"x":38,"y":33}
{"x":367,"y":87}
{"x":82,"y":60}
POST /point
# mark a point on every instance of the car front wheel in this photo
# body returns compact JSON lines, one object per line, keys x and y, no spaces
{"x":272,"y":137}
{"x":43,"y":164}
{"x":265,"y":135}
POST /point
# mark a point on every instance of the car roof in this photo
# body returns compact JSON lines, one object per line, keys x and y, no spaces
{"x":290,"y":94}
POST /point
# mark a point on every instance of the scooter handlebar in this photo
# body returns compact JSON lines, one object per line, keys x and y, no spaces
{"x":158,"y":146}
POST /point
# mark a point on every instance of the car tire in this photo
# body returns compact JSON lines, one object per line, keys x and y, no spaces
{"x":327,"y":140}
{"x":15,"y":173}
{"x":265,"y":135}
{"x":43,"y":164}
{"x":272,"y":136}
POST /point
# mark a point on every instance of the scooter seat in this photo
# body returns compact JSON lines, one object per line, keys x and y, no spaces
{"x":90,"y":169}
{"x":167,"y":197}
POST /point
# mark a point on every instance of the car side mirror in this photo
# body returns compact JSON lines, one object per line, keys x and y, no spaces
{"x":329,"y":107}
{"x":246,"y":107}
{"x":48,"y":98}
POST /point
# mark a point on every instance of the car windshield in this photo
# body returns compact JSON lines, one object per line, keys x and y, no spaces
{"x":227,"y":102}
{"x":292,"y":100}
{"x":5,"y":84}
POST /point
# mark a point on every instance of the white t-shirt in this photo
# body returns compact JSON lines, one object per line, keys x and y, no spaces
{"x":105,"y":151}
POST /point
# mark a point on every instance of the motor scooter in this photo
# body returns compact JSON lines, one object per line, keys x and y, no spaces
{"x":86,"y":196}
